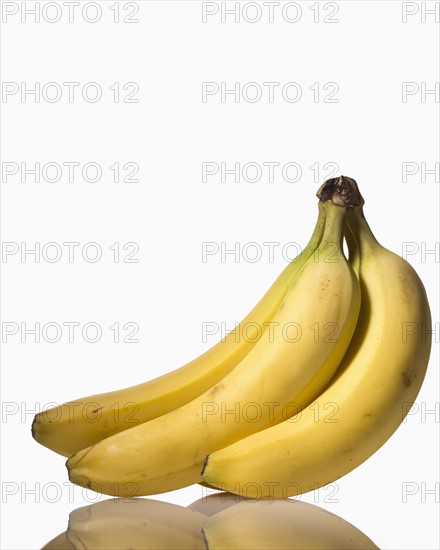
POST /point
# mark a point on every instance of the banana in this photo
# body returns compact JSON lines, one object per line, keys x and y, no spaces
{"x":368,"y":398}
{"x":286,"y":369}
{"x":281,"y":524}
{"x":136,"y":524}
{"x":80,"y":423}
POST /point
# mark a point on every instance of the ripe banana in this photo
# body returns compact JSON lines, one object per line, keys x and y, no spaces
{"x":136,"y":524}
{"x":284,"y":371}
{"x":80,"y":423}
{"x":379,"y":377}
{"x":281,"y":524}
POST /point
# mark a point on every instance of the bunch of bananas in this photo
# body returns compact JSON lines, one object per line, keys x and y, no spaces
{"x":338,"y":349}
{"x":210,"y":523}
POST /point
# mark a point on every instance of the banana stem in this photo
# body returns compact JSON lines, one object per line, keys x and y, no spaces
{"x":354,"y":255}
{"x":364,"y":237}
{"x":343,"y":191}
{"x":317,"y":234}
{"x":335,"y":220}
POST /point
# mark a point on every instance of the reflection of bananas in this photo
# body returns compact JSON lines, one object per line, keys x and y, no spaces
{"x":61,"y":542}
{"x":235,"y":523}
{"x":211,"y":504}
{"x":285,"y":370}
{"x":83,"y":422}
{"x":380,"y":376}
{"x":136,"y":524}
{"x":276,"y":524}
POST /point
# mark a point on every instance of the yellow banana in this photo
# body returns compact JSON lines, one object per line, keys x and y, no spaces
{"x":281,"y":524}
{"x":369,"y":396}
{"x":80,"y":423}
{"x":287,"y":368}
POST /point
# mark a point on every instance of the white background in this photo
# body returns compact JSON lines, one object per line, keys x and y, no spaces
{"x":170,"y":292}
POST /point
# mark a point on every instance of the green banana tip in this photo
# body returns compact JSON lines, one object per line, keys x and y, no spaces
{"x":342,"y":191}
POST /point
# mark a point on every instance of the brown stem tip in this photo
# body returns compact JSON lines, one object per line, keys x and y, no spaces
{"x":343,"y":191}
